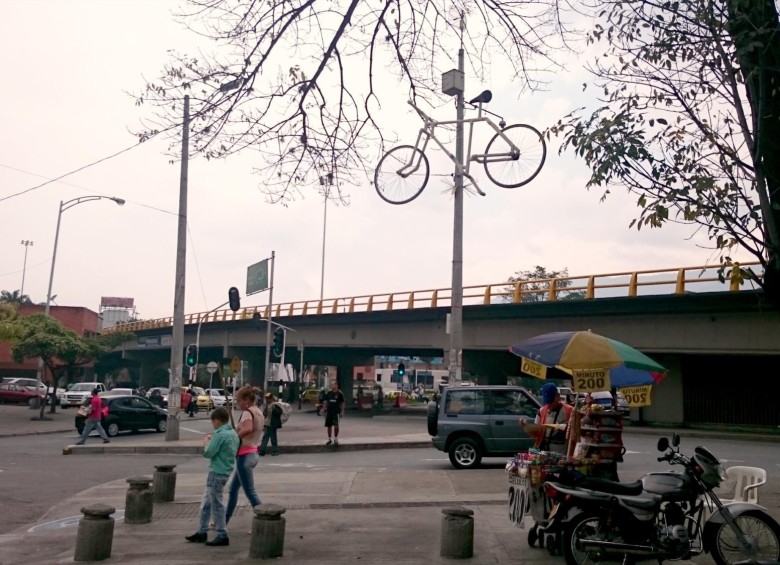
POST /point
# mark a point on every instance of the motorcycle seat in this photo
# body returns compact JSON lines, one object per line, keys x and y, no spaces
{"x":612,"y":487}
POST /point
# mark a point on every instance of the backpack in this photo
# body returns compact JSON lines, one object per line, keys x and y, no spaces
{"x":286,"y":411}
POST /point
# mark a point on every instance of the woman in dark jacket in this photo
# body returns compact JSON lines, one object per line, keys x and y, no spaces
{"x":273,"y":421}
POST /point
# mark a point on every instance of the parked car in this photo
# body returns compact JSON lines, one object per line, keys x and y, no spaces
{"x":120,"y":392}
{"x":473,"y":422}
{"x":34,"y":384}
{"x":80,"y":392}
{"x":217,"y":397}
{"x":310,"y":396}
{"x":158,"y":395}
{"x":605,"y":400}
{"x":127,"y":412}
{"x":18,"y":394}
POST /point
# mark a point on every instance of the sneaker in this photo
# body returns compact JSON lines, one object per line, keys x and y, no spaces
{"x":197,"y":537}
{"x":106,"y":441}
{"x":219,"y":540}
{"x":275,"y":453}
{"x":336,"y":441}
{"x":329,"y":442}
{"x":79,"y":443}
{"x":261,"y":453}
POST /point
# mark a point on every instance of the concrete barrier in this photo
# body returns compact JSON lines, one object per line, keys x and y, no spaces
{"x":457,"y":533}
{"x":164,"y":483}
{"x":139,"y":501}
{"x":268,"y":525}
{"x":95,"y":535}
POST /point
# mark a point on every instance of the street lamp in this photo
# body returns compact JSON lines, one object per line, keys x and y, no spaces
{"x":26,"y":244}
{"x":65,"y":206}
{"x":326,"y":181}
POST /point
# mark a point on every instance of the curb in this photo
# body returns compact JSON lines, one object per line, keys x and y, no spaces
{"x":99,"y":448}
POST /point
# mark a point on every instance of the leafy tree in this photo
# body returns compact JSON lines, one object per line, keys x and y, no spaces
{"x":15,"y":297}
{"x":688,"y":120}
{"x":535,"y":285}
{"x":296,"y":82}
{"x":60,"y":348}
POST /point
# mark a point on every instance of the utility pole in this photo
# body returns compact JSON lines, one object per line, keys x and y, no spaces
{"x":26,"y":243}
{"x":456,"y":303}
{"x":177,"y":347}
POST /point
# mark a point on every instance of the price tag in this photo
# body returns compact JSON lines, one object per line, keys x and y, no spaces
{"x":591,"y":380}
{"x":533,"y":368}
{"x":638,"y":396}
{"x":519,"y":499}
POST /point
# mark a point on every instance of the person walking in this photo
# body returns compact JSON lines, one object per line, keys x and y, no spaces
{"x":249,"y":428}
{"x":93,"y":419}
{"x":192,"y":407}
{"x":273,"y":421}
{"x":334,"y":408}
{"x":220,"y":448}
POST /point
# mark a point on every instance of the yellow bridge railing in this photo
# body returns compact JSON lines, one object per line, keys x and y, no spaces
{"x":589,"y":287}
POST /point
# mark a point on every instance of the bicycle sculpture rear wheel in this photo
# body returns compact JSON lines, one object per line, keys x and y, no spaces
{"x":396,"y":179}
{"x":517,"y":170}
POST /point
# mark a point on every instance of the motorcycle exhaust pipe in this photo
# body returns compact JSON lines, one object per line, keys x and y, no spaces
{"x":616,"y":547}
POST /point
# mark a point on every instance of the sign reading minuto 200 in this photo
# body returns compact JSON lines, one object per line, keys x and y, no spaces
{"x":591,"y":380}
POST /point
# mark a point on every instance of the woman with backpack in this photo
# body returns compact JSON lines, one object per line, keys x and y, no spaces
{"x":273,"y":421}
{"x":250,"y":426}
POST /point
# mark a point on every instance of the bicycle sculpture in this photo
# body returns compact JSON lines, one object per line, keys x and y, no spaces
{"x":512,"y":157}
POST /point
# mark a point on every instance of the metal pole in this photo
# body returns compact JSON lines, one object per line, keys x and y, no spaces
{"x":456,"y":306}
{"x":268,"y":327}
{"x":324,"y":226}
{"x":300,"y":377}
{"x":26,"y":244}
{"x":177,"y":347}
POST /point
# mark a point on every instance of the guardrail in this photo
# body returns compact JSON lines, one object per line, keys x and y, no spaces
{"x":589,"y":287}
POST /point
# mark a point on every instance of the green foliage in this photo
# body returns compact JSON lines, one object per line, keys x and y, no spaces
{"x":535,"y":285}
{"x":15,"y":297}
{"x":679,"y":122}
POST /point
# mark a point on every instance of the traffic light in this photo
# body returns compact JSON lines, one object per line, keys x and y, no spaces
{"x":191,"y":357}
{"x":401,"y":369}
{"x":278,"y":347}
{"x":234,"y":299}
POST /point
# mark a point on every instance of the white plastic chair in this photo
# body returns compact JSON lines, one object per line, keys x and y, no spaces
{"x":748,"y":479}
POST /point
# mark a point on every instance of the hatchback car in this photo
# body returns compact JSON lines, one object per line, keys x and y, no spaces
{"x":18,"y":394}
{"x":473,"y":422}
{"x":127,"y":412}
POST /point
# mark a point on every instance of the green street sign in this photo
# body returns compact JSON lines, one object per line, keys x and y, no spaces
{"x":257,"y":277}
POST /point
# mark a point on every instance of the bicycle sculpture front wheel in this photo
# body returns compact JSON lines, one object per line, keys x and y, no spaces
{"x":512,"y":167}
{"x":401,"y":174}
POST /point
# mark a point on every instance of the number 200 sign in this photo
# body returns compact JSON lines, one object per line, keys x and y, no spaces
{"x":591,"y":380}
{"x":533,"y":368}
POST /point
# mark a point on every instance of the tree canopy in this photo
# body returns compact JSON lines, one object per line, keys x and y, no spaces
{"x":688,"y":118}
{"x":302,"y":84}
{"x":534,"y":286}
{"x":15,"y":297}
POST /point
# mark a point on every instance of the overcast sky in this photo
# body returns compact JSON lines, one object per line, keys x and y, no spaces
{"x":67,"y":68}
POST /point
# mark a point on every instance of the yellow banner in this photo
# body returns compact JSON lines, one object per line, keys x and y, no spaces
{"x":638,"y":396}
{"x":591,"y":380}
{"x":533,"y":368}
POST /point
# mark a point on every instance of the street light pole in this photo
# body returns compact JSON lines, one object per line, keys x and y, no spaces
{"x":326,"y":181}
{"x":65,"y":206}
{"x":26,"y":244}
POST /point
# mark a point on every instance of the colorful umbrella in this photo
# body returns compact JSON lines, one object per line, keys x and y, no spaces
{"x":589,"y":355}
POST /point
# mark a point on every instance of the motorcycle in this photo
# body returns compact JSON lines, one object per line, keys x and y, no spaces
{"x":663,"y":515}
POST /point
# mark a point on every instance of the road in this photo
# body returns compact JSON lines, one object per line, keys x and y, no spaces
{"x":34,"y":475}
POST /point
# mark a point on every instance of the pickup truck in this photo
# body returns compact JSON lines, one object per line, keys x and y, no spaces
{"x":79,"y":393}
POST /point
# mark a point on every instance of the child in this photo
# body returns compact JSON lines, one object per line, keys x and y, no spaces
{"x":221,"y":448}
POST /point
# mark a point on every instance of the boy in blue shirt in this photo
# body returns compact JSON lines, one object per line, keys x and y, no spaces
{"x":221,"y":448}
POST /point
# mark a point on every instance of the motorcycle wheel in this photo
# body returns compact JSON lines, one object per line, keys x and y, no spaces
{"x":764,"y":533}
{"x":585,"y":526}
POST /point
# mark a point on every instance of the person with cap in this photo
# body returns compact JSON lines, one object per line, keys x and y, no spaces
{"x":273,"y":421}
{"x":555,"y":413}
{"x":93,"y":419}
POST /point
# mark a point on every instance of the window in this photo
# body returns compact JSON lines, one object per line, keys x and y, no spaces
{"x":511,"y":402}
{"x":465,"y":402}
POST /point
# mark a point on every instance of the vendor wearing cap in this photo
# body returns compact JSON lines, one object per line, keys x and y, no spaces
{"x":555,"y":412}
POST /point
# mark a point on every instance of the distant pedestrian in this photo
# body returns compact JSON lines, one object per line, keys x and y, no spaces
{"x":221,"y":448}
{"x":334,"y":408}
{"x":192,"y":407}
{"x":380,"y":397}
{"x":93,"y":419}
{"x":273,"y":421}
{"x":250,"y":428}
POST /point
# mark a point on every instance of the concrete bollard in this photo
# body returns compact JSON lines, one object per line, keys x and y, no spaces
{"x":267,"y":532}
{"x":139,"y":501}
{"x":457,"y":533}
{"x":164,"y":483}
{"x":95,"y":534}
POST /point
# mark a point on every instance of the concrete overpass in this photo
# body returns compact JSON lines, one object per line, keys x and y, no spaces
{"x":715,"y":344}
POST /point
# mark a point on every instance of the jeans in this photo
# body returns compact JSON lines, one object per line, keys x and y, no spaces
{"x":89,"y":425}
{"x":243,"y":478}
{"x":269,"y":433}
{"x":212,"y":505}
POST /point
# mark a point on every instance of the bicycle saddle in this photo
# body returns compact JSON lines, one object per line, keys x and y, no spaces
{"x":485,"y":96}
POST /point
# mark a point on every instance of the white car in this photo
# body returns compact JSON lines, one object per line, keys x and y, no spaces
{"x":217,"y":396}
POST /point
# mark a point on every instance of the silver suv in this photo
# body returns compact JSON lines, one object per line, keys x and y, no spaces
{"x":473,"y":422}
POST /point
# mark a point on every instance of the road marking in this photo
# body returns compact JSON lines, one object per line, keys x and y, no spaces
{"x":194,"y":431}
{"x":70,"y":522}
